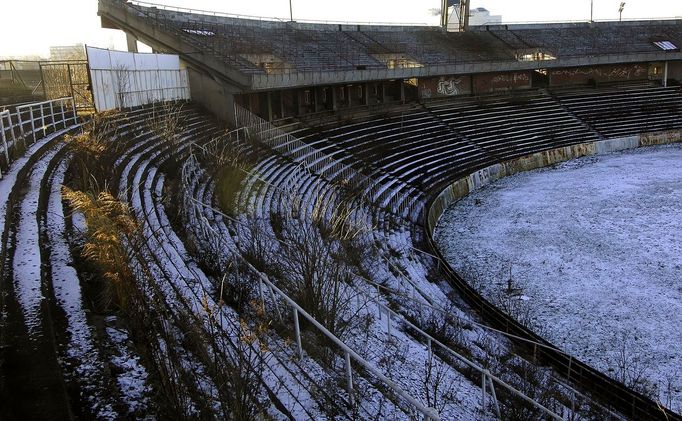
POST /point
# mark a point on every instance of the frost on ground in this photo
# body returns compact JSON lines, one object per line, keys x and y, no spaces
{"x":27,"y":260}
{"x":593,"y":248}
{"x":81,"y":348}
{"x":132,"y":376}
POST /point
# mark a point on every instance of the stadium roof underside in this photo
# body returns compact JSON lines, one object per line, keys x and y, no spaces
{"x":268,"y":54}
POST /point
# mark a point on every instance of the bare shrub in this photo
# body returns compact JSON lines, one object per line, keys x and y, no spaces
{"x":438,"y":386}
{"x":167,"y":123}
{"x":629,"y":369}
{"x":316,"y":276}
{"x":531,"y":380}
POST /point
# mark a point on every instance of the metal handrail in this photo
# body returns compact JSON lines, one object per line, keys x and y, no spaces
{"x":266,"y":18}
{"x":40,"y":106}
{"x":40,"y":115}
{"x":429,"y":413}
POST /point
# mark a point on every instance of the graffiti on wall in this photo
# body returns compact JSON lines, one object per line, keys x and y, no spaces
{"x":602,"y":73}
{"x":443,"y":86}
{"x":449,"y":87}
{"x":511,"y":78}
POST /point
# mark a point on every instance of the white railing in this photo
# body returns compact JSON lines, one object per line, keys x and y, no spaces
{"x":349,"y":354}
{"x":396,"y":201}
{"x":33,"y":121}
{"x":45,"y":115}
{"x":6,"y":121}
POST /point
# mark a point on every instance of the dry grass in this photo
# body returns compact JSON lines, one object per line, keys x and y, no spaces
{"x":110,"y":228}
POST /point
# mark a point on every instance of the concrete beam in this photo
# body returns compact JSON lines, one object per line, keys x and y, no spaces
{"x":298,"y":79}
{"x":153,"y":36}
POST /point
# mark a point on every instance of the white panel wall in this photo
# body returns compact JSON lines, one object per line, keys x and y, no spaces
{"x":122,"y":80}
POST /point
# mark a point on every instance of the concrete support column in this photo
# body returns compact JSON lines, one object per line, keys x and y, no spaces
{"x":366,"y":88}
{"x":269,"y":106}
{"x":333,"y":88}
{"x":317,"y":97}
{"x":300,"y":98}
{"x":665,"y":74}
{"x":402,"y":91}
{"x":281,"y":104}
{"x":229,"y":109}
{"x":132,"y":43}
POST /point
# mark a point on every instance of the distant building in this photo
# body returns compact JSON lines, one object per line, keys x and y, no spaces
{"x":481,"y":16}
{"x":67,"y":52}
{"x":477,"y":17}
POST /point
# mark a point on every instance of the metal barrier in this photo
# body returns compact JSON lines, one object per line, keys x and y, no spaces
{"x":38,"y":113}
{"x":349,"y":354}
{"x":488,"y":380}
{"x":123,"y":87}
{"x":34,"y":121}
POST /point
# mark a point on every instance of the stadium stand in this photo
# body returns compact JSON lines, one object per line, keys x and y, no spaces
{"x":626,"y":112}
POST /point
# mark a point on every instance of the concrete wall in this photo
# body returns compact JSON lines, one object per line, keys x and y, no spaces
{"x":215,"y":96}
{"x":496,"y":82}
{"x":611,"y":73}
{"x":480,"y":178}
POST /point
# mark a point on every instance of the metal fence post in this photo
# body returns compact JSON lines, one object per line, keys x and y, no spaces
{"x":4,"y":137}
{"x":570,"y":362}
{"x":42,"y":119}
{"x":483,"y":390}
{"x":11,"y":128}
{"x":297,"y":327}
{"x":430,"y":354}
{"x":63,"y":113}
{"x":33,"y":125}
{"x":494,"y":395}
{"x":260,"y":292}
{"x":274,"y":303}
{"x":349,"y":378}
{"x":73,"y":107}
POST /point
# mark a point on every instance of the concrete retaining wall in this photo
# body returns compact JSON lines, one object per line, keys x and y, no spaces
{"x":485,"y":176}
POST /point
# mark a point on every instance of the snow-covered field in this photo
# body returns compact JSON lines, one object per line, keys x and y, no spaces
{"x":594,"y":251}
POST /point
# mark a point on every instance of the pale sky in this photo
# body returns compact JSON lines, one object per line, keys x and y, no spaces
{"x":32,"y":26}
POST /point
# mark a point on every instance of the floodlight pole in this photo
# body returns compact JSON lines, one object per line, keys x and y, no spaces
{"x":591,"y":10}
{"x":291,"y":12}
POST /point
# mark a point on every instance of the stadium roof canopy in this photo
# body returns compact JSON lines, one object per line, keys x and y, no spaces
{"x":257,"y":54}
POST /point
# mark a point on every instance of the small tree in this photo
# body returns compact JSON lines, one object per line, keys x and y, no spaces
{"x":121,"y":76}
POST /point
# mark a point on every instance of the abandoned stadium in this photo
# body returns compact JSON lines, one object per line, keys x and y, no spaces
{"x":250,"y":225}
